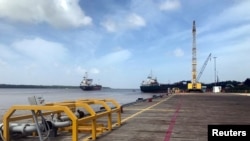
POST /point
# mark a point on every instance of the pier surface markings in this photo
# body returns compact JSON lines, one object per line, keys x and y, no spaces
{"x":132,"y":116}
{"x":172,"y":122}
{"x":145,"y":109}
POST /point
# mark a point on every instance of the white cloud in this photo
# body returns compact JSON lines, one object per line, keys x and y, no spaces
{"x":6,"y":54}
{"x":232,"y":34}
{"x":135,"y":20}
{"x":130,"y":21}
{"x":80,"y":70}
{"x":58,"y":13}
{"x":33,"y":61}
{"x":115,"y":57}
{"x":40,"y":50}
{"x":178,"y":52}
{"x":229,"y":16}
{"x":170,"y":5}
{"x":109,"y":25}
{"x":94,"y":70}
{"x":236,"y":13}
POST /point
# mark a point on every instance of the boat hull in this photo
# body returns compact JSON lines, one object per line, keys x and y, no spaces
{"x":91,"y":88}
{"x":154,"y":89}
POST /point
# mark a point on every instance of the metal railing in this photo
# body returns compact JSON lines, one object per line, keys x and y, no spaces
{"x":67,"y":109}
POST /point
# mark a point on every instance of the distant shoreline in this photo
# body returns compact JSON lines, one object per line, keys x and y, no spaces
{"x":35,"y":86}
{"x":41,"y":86}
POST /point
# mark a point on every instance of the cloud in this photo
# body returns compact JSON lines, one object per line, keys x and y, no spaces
{"x":229,"y":35}
{"x":109,"y":25}
{"x":6,"y":55}
{"x":79,"y":70}
{"x":33,"y":61}
{"x":229,"y":17}
{"x":130,"y":21}
{"x":58,"y":13}
{"x":239,"y":11}
{"x":170,"y":5}
{"x":115,"y":57}
{"x":135,"y":20}
{"x":40,"y":50}
{"x":94,"y":70}
{"x":178,"y":52}
{"x":224,"y":36}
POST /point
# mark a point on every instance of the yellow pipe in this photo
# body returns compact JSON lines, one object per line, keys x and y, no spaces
{"x":68,"y":107}
{"x":93,"y":129}
{"x":38,"y":107}
{"x":109,"y":121}
{"x":86,"y":107}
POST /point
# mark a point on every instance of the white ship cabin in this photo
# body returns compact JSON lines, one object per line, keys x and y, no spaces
{"x":86,"y":81}
{"x":150,"y":81}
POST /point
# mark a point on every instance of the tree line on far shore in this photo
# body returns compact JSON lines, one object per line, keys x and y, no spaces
{"x":34,"y":86}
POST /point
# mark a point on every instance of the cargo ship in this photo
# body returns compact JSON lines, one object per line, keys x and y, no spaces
{"x":151,"y":85}
{"x":86,"y":84}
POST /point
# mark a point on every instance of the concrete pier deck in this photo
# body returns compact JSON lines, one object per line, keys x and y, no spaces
{"x":180,"y":117}
{"x":177,"y":117}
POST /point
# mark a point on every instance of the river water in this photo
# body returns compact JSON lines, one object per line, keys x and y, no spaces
{"x":19,"y":96}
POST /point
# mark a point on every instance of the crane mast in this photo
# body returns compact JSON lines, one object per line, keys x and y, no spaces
{"x":194,"y":85}
{"x":194,"y":62}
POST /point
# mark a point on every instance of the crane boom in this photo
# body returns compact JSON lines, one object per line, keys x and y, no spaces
{"x":194,"y":85}
{"x":194,"y":62}
{"x":203,"y":67}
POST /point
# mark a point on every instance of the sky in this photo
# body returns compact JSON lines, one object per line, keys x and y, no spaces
{"x":120,"y":42}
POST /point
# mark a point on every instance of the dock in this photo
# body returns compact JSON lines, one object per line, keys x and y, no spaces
{"x":174,"y":117}
{"x":180,"y":117}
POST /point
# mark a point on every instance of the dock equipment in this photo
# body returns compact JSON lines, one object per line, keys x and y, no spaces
{"x":204,"y":66}
{"x":194,"y":85}
{"x":66,"y":116}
